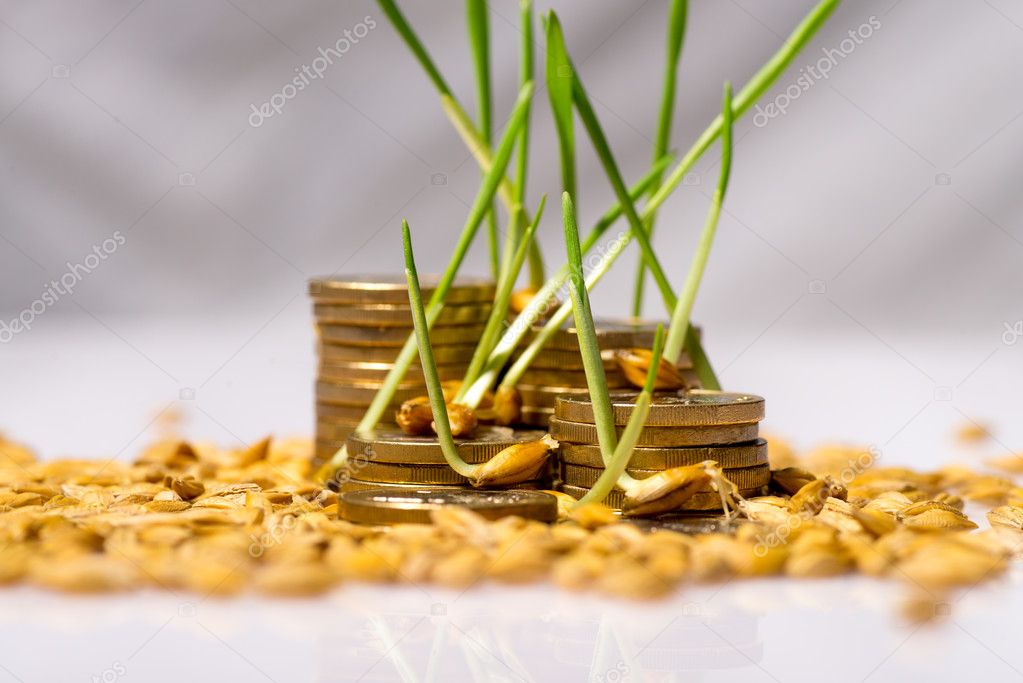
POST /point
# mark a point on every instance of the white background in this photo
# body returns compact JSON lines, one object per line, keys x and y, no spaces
{"x":865,"y":276}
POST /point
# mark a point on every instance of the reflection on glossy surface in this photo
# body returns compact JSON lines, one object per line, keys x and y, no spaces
{"x":754,"y":630}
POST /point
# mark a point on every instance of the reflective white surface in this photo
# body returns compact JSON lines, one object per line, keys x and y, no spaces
{"x":866,"y":280}
{"x":770,"y":630}
{"x":98,"y":396}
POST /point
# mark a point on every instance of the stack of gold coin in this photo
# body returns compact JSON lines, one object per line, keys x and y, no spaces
{"x":682,"y":429}
{"x":558,"y":368}
{"x":380,"y":507}
{"x":394,"y":461}
{"x":362,"y":321}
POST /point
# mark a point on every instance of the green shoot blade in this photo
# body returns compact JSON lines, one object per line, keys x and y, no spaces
{"x":679,"y":326}
{"x":559,"y":87}
{"x":433,"y":387}
{"x":586,"y":333}
{"x":676,"y":35}
{"x":614,"y":472}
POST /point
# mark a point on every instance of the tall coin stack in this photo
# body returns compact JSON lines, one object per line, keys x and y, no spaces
{"x":682,"y":429}
{"x":362,"y":321}
{"x":558,"y":368}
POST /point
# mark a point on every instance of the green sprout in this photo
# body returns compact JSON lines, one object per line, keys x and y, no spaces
{"x":537,"y":308}
{"x":614,"y":473}
{"x":478,"y":25}
{"x":676,"y":35}
{"x":614,"y":452}
{"x":499,"y":312}
{"x":684,"y":306}
{"x":582,"y":105}
{"x":494,"y":165}
{"x":755,"y":87}
{"x":525,"y":75}
{"x":422,"y":335}
{"x":559,"y":88}
{"x":480,"y":205}
{"x":461,"y":121}
{"x":512,"y":465}
{"x":589,"y":349}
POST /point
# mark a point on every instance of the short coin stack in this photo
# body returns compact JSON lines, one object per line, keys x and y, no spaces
{"x":558,"y":368}
{"x":362,"y":321}
{"x":380,"y":507}
{"x":682,"y":429}
{"x":392,"y":461}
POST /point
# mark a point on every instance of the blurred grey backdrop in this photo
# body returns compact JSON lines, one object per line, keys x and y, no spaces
{"x":875,"y":223}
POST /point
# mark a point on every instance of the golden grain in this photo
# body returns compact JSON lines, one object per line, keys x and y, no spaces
{"x":222,"y":521}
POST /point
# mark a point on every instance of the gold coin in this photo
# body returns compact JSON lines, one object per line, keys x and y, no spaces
{"x":445,"y":355}
{"x":334,"y":430}
{"x":702,"y":500}
{"x":377,"y":372}
{"x":690,"y":378}
{"x":325,"y":451}
{"x":571,"y":378}
{"x":396,"y":336}
{"x":335,"y":414}
{"x":611,"y":334}
{"x":326,"y":425}
{"x":536,"y":417}
{"x":742,"y":477}
{"x":544,"y":397}
{"x":333,"y":445}
{"x":344,"y":483}
{"x":389,"y":506}
{"x":329,"y":412}
{"x":691,"y":523}
{"x":580,"y":432}
{"x":361,"y":393}
{"x":739,"y":455}
{"x":394,"y":446}
{"x":696,"y":408}
{"x":393,"y":289}
{"x":563,"y":359}
{"x":358,"y":467}
{"x":395,"y":315}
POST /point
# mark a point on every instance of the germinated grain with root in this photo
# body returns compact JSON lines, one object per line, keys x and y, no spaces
{"x":197,"y":517}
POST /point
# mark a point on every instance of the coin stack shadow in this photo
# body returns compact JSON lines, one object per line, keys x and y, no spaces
{"x":558,"y":368}
{"x":362,"y":321}
{"x":682,"y":429}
